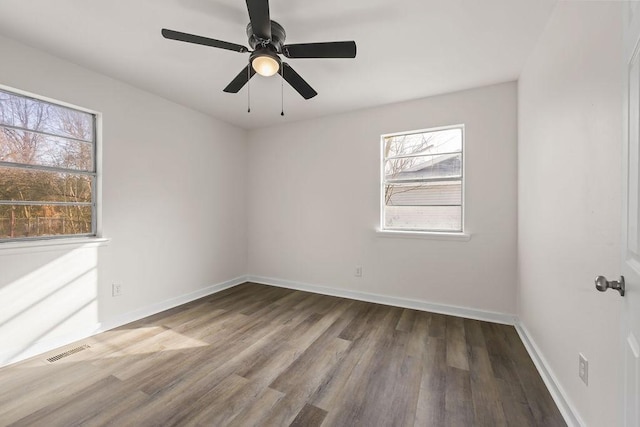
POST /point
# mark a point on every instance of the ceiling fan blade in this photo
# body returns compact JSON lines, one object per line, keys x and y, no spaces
{"x":259,"y":17}
{"x":240,"y":80}
{"x":320,"y":50}
{"x":205,"y":41}
{"x":297,"y":82}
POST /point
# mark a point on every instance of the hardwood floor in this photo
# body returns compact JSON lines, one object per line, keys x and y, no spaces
{"x":266,"y":356}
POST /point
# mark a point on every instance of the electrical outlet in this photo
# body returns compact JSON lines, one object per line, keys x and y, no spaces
{"x":583,"y":368}
{"x":116,"y":289}
{"x":358,"y":271}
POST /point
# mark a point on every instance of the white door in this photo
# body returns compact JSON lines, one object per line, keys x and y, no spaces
{"x":631,"y":216}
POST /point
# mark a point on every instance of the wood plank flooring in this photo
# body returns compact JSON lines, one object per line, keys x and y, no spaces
{"x":256,"y":355}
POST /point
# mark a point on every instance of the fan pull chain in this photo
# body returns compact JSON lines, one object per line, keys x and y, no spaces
{"x":249,"y":88}
{"x":282,"y":94}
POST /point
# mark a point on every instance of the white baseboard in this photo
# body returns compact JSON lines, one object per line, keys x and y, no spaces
{"x":558,"y":394}
{"x":469,"y":313}
{"x":150,"y":310}
{"x":8,"y":356}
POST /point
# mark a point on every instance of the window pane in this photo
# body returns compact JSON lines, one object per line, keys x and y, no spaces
{"x":424,"y":167}
{"x":431,"y":218}
{"x":434,"y":142}
{"x":18,"y":146}
{"x":34,"y":221}
{"x":32,"y":114}
{"x":448,"y":193}
{"x":43,"y":186}
{"x":43,"y":135}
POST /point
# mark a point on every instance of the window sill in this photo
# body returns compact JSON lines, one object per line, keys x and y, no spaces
{"x":11,"y":248}
{"x":427,"y":235}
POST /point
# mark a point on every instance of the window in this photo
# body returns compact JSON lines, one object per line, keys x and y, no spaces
{"x":47,"y":169}
{"x":422,"y":180}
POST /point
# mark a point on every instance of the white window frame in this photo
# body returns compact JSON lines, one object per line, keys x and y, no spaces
{"x":17,"y":245}
{"x":462,"y":234}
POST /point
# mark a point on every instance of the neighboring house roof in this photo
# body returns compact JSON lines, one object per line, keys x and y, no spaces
{"x":438,"y":166}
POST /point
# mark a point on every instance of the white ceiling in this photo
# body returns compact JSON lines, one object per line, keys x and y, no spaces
{"x":407,"y":49}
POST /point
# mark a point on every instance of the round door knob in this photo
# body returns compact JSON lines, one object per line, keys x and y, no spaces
{"x":602,"y":284}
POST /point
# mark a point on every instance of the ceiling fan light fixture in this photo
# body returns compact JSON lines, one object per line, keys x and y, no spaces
{"x":265,"y":63}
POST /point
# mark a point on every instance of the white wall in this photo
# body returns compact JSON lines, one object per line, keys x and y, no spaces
{"x":173,"y":205}
{"x":569,"y":155}
{"x":313,"y":191}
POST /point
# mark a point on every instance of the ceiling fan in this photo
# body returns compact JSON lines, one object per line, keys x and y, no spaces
{"x":266,"y":38}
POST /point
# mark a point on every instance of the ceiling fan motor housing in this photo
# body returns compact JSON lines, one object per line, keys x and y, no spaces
{"x":278,"y":36}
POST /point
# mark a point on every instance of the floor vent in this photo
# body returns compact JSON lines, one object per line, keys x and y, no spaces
{"x":67,"y":353}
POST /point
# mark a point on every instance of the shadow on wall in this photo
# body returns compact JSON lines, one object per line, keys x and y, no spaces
{"x":55,"y":301}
